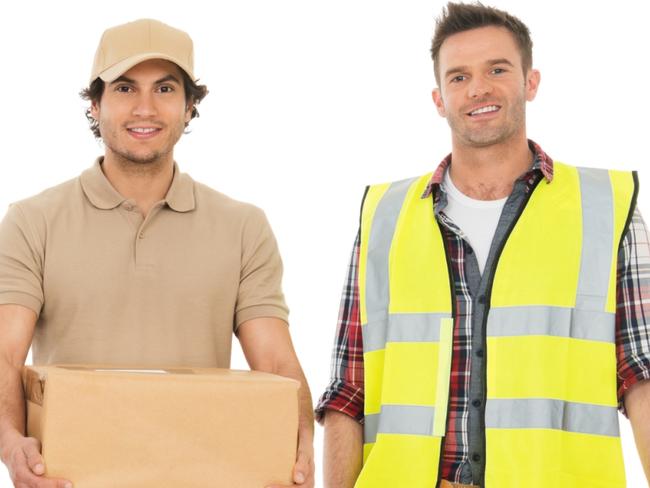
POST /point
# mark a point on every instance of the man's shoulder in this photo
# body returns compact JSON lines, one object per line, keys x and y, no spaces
{"x":417,"y":186}
{"x":213,"y":201}
{"x":51,"y":198}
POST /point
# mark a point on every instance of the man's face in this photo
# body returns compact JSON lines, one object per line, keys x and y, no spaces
{"x":483,"y":90}
{"x":142,"y":114}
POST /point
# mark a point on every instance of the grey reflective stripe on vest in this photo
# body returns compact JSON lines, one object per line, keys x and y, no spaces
{"x":403,"y":327}
{"x":597,"y":238}
{"x":381,"y":236}
{"x":534,"y":413}
{"x":552,"y":321}
{"x":399,"y":419}
{"x":544,"y":413}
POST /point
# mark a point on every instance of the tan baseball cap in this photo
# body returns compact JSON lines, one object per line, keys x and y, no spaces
{"x":123,"y":46}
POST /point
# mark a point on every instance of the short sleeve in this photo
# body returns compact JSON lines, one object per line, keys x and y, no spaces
{"x":260,"y":286}
{"x":21,"y":261}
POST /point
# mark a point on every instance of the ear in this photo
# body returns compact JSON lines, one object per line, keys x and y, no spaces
{"x":188,"y":111}
{"x":533,"y":78}
{"x":94,"y":109}
{"x":439,"y":102}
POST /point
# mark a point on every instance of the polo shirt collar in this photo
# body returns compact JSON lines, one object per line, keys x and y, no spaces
{"x":180,"y":196}
{"x":98,"y":189}
{"x":100,"y":192}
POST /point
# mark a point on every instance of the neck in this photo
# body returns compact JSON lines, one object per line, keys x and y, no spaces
{"x":489,"y":173}
{"x":144,"y":183}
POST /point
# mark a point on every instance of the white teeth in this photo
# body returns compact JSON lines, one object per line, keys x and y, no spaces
{"x":482,"y":110}
{"x":143,"y":130}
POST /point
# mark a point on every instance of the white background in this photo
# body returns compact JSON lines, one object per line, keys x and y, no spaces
{"x":310,"y":101}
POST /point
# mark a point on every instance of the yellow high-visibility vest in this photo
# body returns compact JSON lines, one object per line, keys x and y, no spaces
{"x":551,"y":403}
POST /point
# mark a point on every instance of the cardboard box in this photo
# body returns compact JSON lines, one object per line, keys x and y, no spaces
{"x":180,"y":427}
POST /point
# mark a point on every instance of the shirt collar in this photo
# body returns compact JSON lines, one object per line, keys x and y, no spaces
{"x":541,"y":161}
{"x":100,"y":192}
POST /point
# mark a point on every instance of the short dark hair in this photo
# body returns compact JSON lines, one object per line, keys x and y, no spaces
{"x":461,"y":17}
{"x":194,"y":93}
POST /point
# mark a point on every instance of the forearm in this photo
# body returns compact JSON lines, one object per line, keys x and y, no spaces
{"x":16,"y":330}
{"x":12,"y":405}
{"x":637,"y":402}
{"x":267,"y":346}
{"x":343,"y":450}
{"x":293,"y":370}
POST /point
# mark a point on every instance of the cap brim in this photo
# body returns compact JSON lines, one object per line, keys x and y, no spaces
{"x":118,"y":69}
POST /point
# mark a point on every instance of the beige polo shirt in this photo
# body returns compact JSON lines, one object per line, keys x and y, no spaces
{"x":110,"y":286}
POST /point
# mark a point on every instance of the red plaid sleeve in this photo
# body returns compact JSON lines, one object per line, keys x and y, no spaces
{"x":344,"y":392}
{"x":633,"y":308}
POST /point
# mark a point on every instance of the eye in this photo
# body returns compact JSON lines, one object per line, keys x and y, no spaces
{"x":165,"y":89}
{"x":498,"y":71}
{"x":457,"y":79}
{"x":123,"y":88}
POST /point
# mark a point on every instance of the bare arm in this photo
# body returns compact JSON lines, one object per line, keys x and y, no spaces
{"x":637,"y":403}
{"x":21,"y":454}
{"x":267,"y":346}
{"x":16,"y":331}
{"x":343,"y":450}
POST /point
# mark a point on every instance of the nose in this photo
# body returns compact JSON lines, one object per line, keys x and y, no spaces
{"x":145,"y":105}
{"x":479,"y":87}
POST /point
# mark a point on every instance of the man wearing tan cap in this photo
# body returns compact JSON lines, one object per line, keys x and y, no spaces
{"x":133,"y":262}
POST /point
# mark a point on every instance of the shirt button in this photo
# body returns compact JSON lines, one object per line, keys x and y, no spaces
{"x":479,"y":353}
{"x":482,"y":299}
{"x":476,"y":457}
{"x":141,"y":235}
{"x":470,"y":251}
{"x":476,"y":403}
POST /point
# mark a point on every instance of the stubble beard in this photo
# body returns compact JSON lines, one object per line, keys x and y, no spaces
{"x":488,"y":136}
{"x":143,"y":160}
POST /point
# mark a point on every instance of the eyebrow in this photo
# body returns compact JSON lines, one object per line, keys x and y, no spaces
{"x":124,"y":79}
{"x":490,"y":62}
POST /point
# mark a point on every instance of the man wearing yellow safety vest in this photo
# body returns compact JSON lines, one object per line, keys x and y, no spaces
{"x":495,"y":313}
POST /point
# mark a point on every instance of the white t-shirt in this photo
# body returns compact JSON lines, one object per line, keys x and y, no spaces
{"x":477,"y":219}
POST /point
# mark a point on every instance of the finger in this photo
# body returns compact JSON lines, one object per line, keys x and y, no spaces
{"x":50,"y":483}
{"x":304,"y":467}
{"x":32,"y":451}
{"x":303,"y":471}
{"x":26,"y":478}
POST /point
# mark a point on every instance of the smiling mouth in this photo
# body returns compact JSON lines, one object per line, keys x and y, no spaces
{"x":484,"y":110}
{"x":143,"y":133}
{"x":143,"y":130}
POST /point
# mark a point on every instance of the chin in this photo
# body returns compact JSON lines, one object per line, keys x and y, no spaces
{"x":146,"y":158}
{"x":484,"y":140}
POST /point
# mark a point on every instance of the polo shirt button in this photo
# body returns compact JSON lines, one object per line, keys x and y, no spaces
{"x":482,"y":299}
{"x":141,"y":235}
{"x":476,"y":457}
{"x":479,"y":353}
{"x":470,"y":251}
{"x":476,"y":403}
